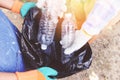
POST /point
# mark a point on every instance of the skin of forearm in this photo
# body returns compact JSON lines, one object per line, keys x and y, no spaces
{"x":6,"y":3}
{"x":8,"y":76}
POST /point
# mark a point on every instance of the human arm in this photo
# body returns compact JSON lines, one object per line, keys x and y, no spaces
{"x":7,"y":76}
{"x":17,"y":6}
{"x":99,"y":17}
{"x":6,"y":4}
{"x":13,"y":76}
{"x":38,"y":74}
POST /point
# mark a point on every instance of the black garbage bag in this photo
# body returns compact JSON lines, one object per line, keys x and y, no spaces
{"x":53,"y":56}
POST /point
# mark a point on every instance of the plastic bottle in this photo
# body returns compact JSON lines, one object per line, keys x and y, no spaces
{"x":68,"y":30}
{"x":46,"y":29}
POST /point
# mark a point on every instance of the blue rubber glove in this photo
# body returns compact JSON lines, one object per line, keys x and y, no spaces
{"x":26,"y":7}
{"x":43,"y":73}
{"x":48,"y":73}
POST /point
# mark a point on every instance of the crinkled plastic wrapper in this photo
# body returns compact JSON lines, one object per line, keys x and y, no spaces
{"x":53,"y":56}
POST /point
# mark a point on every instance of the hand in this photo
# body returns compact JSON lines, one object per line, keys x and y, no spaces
{"x":26,"y":7}
{"x":81,"y":38}
{"x":22,"y":8}
{"x":44,"y":73}
{"x":48,"y":73}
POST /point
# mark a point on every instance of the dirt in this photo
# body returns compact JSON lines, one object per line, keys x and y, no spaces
{"x":106,"y":53}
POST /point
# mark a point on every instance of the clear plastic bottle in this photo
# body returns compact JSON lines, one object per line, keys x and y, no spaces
{"x":46,"y":29}
{"x":68,"y":30}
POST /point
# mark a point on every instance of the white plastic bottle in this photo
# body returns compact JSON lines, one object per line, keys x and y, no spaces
{"x":46,"y":29}
{"x":68,"y":30}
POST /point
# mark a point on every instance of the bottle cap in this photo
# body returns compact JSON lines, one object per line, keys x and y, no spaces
{"x":43,"y":46}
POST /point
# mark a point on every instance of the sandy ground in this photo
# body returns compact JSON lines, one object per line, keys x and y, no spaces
{"x":106,"y":53}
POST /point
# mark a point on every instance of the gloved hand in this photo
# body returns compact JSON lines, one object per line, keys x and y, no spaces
{"x":44,"y":73}
{"x":48,"y":73}
{"x":81,"y":38}
{"x":22,"y":8}
{"x":26,"y":7}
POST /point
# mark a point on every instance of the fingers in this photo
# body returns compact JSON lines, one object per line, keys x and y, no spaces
{"x":50,"y":78}
{"x":48,"y":71}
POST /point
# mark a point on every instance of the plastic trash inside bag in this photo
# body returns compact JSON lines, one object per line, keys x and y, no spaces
{"x":53,"y":56}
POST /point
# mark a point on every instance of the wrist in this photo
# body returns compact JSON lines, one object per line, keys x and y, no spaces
{"x":30,"y":75}
{"x":17,"y":6}
{"x":6,"y":4}
{"x":90,"y":36}
{"x":86,"y":33}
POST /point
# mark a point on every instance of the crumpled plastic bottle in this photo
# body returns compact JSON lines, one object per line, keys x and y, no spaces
{"x":68,"y":30}
{"x":47,"y":29}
